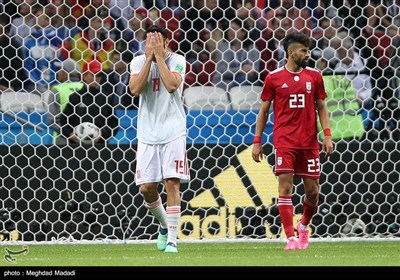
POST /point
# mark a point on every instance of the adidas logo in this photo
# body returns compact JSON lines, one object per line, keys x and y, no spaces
{"x":284,"y":86}
{"x":235,"y":195}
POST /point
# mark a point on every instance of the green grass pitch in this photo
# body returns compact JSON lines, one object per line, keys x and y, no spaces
{"x":343,"y":253}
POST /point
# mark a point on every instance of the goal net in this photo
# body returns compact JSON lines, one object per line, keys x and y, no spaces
{"x":51,"y":191}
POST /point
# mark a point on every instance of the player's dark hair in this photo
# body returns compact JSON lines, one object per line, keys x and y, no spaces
{"x":157,"y":28}
{"x":296,"y":37}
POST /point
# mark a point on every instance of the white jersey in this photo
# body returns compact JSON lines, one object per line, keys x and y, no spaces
{"x":161,"y":115}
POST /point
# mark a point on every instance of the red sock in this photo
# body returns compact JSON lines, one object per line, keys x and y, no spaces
{"x":285,"y":207}
{"x":308,"y":212}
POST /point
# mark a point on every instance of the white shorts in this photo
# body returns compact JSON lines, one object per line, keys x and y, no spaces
{"x":157,"y":162}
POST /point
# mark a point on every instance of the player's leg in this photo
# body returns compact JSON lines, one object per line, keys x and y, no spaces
{"x":148,"y":174}
{"x":284,"y":167}
{"x":152,"y":201}
{"x":310,"y":171}
{"x":175,"y":170}
{"x":310,"y":205}
{"x":285,"y":208}
{"x":173,"y":210}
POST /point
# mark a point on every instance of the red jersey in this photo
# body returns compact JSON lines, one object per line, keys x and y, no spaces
{"x":295,"y":114}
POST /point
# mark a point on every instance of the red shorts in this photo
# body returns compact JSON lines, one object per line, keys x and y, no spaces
{"x":302,"y":163}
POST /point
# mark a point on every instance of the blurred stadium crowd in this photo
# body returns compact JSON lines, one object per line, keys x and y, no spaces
{"x":226,"y":43}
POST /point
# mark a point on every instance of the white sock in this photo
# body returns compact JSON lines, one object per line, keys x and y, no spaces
{"x":157,"y":209}
{"x":303,"y":227}
{"x":173,"y":217}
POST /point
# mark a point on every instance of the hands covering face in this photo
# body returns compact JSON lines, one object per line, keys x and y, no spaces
{"x":156,"y":47}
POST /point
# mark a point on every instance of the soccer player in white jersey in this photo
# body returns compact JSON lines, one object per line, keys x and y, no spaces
{"x":157,"y":77}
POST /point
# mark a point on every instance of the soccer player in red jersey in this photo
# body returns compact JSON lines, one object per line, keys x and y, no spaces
{"x":297,"y":93}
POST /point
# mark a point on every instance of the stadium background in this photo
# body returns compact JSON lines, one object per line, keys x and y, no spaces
{"x":53,"y":192}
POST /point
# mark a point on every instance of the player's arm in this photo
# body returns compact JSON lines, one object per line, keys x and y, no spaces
{"x":327,"y":144}
{"x":171,"y":80}
{"x":261,"y":122}
{"x":137,"y":82}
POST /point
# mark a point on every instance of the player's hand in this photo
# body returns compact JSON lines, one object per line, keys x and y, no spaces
{"x":257,"y":152}
{"x":327,"y":146}
{"x":160,"y":49}
{"x":149,"y":49}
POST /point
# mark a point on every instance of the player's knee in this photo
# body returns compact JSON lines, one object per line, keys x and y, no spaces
{"x":149,"y":192}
